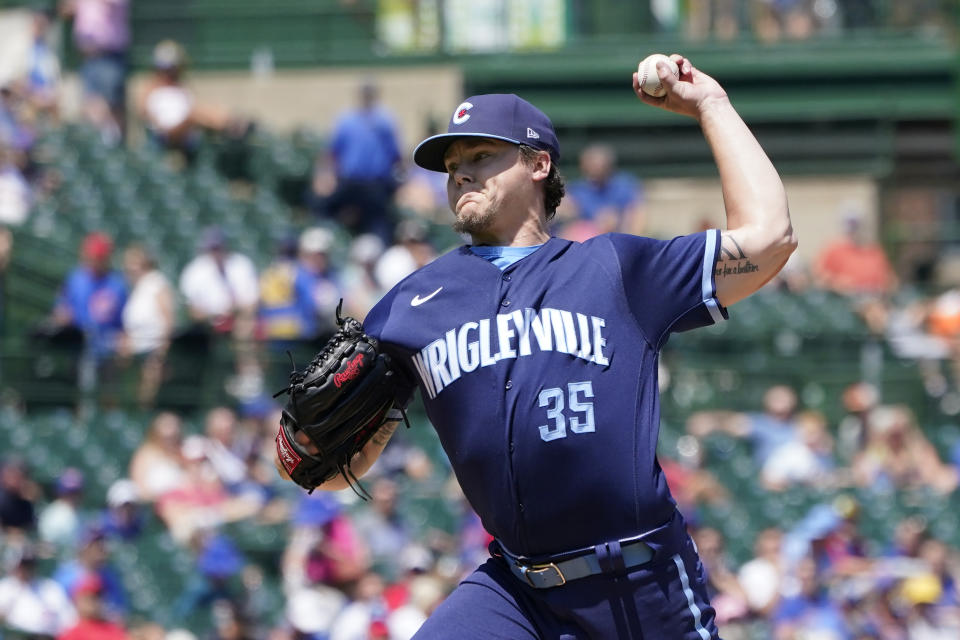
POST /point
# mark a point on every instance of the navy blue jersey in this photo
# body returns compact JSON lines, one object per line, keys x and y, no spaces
{"x":541,"y":380}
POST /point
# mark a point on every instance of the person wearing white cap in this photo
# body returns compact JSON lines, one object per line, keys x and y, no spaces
{"x":316,"y":288}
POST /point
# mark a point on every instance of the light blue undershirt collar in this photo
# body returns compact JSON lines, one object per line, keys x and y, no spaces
{"x":503,"y":257}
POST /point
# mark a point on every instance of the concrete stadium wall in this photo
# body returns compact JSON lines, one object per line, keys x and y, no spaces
{"x":283,"y":100}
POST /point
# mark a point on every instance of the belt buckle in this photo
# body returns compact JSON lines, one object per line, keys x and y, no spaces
{"x":540,"y":568}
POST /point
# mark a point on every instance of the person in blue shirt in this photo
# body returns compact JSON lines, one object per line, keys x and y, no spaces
{"x":610,"y":200}
{"x":365,"y":155}
{"x":316,"y":290}
{"x":536,"y":359}
{"x":768,"y":430}
{"x":93,"y":296}
{"x":811,"y":610}
{"x":93,"y":558}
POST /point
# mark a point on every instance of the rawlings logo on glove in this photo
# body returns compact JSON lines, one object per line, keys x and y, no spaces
{"x":351,"y":372}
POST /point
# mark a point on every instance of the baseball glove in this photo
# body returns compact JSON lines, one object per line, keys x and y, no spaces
{"x":339,"y":401}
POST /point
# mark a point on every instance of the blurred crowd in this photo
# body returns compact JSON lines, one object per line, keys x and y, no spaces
{"x":344,"y":571}
{"x":348,"y":569}
{"x":352,"y":571}
{"x":824,"y":576}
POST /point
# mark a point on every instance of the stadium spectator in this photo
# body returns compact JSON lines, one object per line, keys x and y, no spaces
{"x":93,"y":560}
{"x":228,"y":448}
{"x":926,"y":618}
{"x":719,"y":19}
{"x":18,"y":493}
{"x":15,"y":133}
{"x":795,"y":277}
{"x":123,"y":519}
{"x":195,"y":504}
{"x":218,"y":561}
{"x":169,"y":110}
{"x":854,"y":265}
{"x":810,"y":610}
{"x":423,"y":195}
{"x":411,"y":252}
{"x":358,"y":277}
{"x":726,"y":595}
{"x":805,"y":460}
{"x":607,"y":199}
{"x":93,"y":297}
{"x":279,"y":316}
{"x":691,"y":483}
{"x":366,"y":615}
{"x":908,"y":535}
{"x":59,"y":522}
{"x":15,"y":193}
{"x":365,"y":156}
{"x":897,"y":455}
{"x":148,"y":319}
{"x":310,"y":611}
{"x":761,"y":577}
{"x":260,"y":465}
{"x":101,"y":32}
{"x":323,"y":547}
{"x":407,"y":460}
{"x":41,"y":83}
{"x":424,"y":593}
{"x":93,"y":624}
{"x":201,"y":502}
{"x":942,"y":564}
{"x":31,"y":605}
{"x":317,"y":291}
{"x":790,"y":19}
{"x":223,"y":448}
{"x":157,"y":464}
{"x":384,"y":528}
{"x":769,"y":430}
{"x":839,"y":545}
{"x":859,"y":400}
{"x":220,"y":287}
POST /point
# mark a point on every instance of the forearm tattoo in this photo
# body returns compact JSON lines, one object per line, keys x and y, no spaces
{"x":732,"y":261}
{"x":382,"y":436}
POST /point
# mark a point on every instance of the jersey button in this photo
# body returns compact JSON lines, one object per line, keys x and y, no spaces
{"x":505,"y":303}
{"x":521,"y":507}
{"x":511,"y":446}
{"x":509,"y":384}
{"x":507,"y":277}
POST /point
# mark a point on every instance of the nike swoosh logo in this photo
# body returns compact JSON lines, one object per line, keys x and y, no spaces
{"x":417,"y":300}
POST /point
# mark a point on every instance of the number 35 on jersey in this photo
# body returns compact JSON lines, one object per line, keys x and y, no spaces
{"x":567,"y":408}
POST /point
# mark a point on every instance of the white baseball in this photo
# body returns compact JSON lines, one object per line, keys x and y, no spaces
{"x":647,"y":74}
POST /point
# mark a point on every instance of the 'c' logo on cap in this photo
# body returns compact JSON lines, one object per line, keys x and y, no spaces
{"x":460,"y":115}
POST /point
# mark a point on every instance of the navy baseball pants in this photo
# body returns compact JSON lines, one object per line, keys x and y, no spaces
{"x":663,"y":599}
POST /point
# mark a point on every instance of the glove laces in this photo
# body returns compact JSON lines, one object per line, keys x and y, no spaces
{"x":297,"y":377}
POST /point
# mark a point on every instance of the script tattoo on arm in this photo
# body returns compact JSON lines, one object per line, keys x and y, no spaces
{"x":732,"y":261}
{"x":382,"y":436}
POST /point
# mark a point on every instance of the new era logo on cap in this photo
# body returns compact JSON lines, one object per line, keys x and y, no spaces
{"x":499,"y":116}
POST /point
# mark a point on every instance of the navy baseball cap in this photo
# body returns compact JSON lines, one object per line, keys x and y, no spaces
{"x":501,"y":116}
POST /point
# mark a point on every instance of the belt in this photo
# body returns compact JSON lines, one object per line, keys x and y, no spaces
{"x":544,"y":575}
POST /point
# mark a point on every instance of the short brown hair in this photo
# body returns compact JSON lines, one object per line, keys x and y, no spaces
{"x":553,"y":188}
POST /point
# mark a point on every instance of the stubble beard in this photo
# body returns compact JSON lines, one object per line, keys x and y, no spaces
{"x":477,"y":222}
